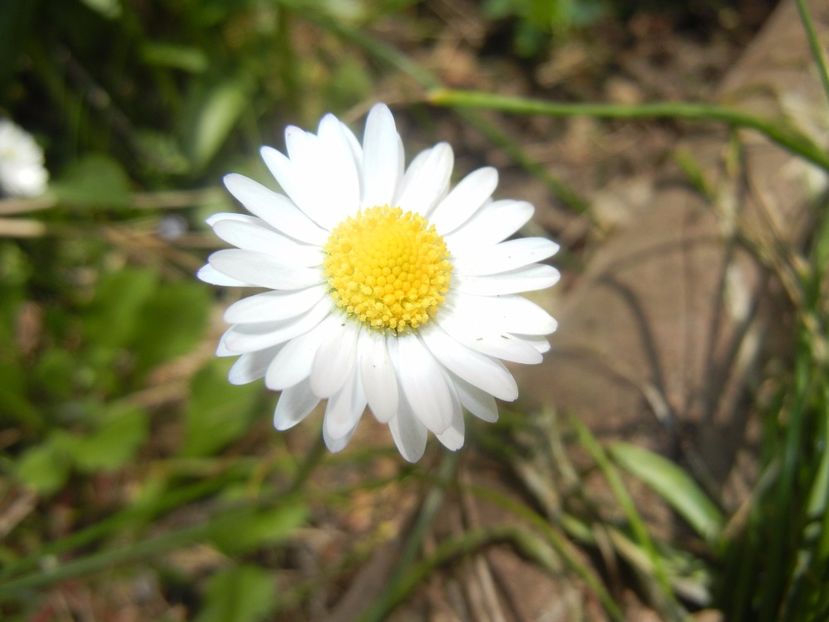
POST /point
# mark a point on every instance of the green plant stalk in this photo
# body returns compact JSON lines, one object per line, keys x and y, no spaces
{"x":778,"y":569}
{"x":140,"y":514}
{"x":633,"y":554}
{"x":809,"y":557}
{"x":814,"y":44}
{"x":557,"y":541}
{"x":170,"y":541}
{"x":428,"y":511}
{"x":123,"y":519}
{"x":107,"y":559}
{"x":787,"y":137}
{"x":811,"y":553}
{"x":640,"y":531}
{"x":821,"y":488}
{"x":463,"y":545}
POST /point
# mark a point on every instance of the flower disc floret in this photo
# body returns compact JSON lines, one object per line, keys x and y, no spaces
{"x":388,"y":268}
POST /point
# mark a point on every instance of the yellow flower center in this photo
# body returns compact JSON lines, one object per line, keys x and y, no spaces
{"x":388,"y":268}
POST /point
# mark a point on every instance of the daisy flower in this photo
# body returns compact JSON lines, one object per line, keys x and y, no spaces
{"x":22,"y":173}
{"x":385,"y":288}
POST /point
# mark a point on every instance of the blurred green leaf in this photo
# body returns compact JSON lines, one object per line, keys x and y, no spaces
{"x":93,"y":181}
{"x":54,"y":373}
{"x":123,"y":429}
{"x":184,"y":57}
{"x":45,"y":467}
{"x":350,"y":82}
{"x":242,"y":594}
{"x":218,"y":412}
{"x":107,"y":8}
{"x":248,"y":531}
{"x":14,"y":403}
{"x":171,"y":322}
{"x":119,"y":300}
{"x":673,"y":484}
{"x":213,"y":115}
{"x":167,"y":157}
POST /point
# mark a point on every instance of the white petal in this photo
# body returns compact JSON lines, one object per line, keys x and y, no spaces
{"x":296,"y":358}
{"x":491,"y":224}
{"x":465,"y":199}
{"x":377,"y":375}
{"x":241,"y":338}
{"x":252,"y":366}
{"x":275,"y":209}
{"x":344,"y":408}
{"x":505,"y":256}
{"x":294,"y":405}
{"x":354,"y":144}
{"x":222,"y":349}
{"x":528,"y":278}
{"x":252,"y":236}
{"x":335,"y":445}
{"x":452,"y":437}
{"x":511,"y":314}
{"x":342,"y":174}
{"x":273,"y":306}
{"x":299,"y":144}
{"x":476,"y":401}
{"x":483,"y":338}
{"x":539,"y":343}
{"x":335,"y":359}
{"x":408,"y":433}
{"x":209,"y":274}
{"x":422,"y":381}
{"x":301,"y":174}
{"x":478,"y":369}
{"x":381,"y":158}
{"x":263,"y":270}
{"x":427,"y":180}
{"x":214,"y":219}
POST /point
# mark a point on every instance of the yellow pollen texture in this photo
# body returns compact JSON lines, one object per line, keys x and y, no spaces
{"x":388,"y":268}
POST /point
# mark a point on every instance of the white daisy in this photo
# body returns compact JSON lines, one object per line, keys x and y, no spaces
{"x":386,"y":288}
{"x":22,"y":173}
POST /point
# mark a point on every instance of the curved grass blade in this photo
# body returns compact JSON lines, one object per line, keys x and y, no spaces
{"x":674,"y":485}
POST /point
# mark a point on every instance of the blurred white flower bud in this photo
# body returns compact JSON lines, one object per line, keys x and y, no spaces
{"x":22,"y":173}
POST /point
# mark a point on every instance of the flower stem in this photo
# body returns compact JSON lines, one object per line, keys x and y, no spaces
{"x":776,"y":131}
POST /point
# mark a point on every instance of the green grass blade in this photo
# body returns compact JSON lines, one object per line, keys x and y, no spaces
{"x":814,"y":44}
{"x":674,"y":485}
{"x":640,"y":531}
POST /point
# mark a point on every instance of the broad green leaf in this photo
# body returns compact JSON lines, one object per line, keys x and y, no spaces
{"x":214,"y":113}
{"x":45,"y":467}
{"x":218,"y":412}
{"x":123,"y":429}
{"x":119,"y":301}
{"x":171,"y":322}
{"x":94,"y":181}
{"x":673,"y":484}
{"x":54,"y":373}
{"x":248,"y":531}
{"x":242,"y":594}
